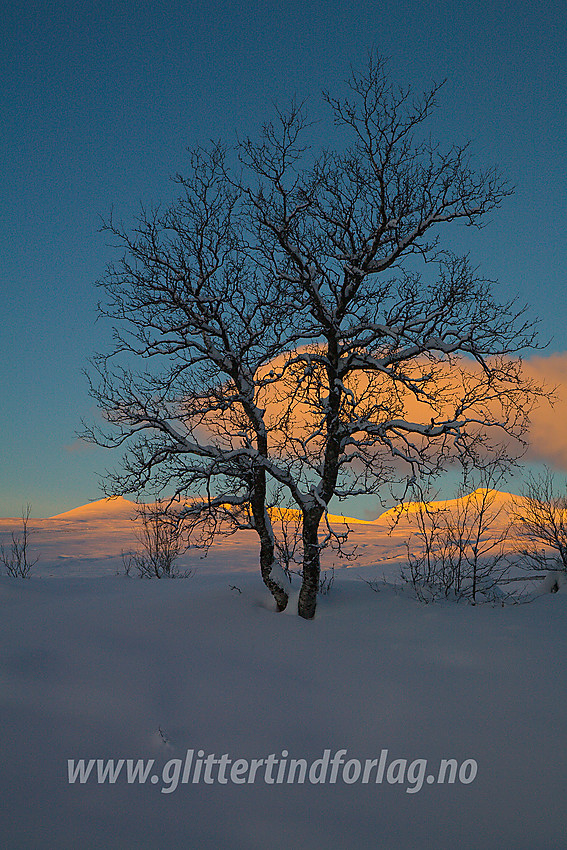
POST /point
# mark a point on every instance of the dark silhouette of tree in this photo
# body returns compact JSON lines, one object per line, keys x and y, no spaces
{"x":303,"y":329}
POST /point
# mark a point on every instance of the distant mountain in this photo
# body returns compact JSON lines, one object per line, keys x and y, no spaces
{"x":111,"y":508}
{"x":116,"y":507}
{"x":496,"y":500}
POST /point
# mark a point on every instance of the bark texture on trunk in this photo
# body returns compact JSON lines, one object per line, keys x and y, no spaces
{"x":307,"y":603}
{"x":312,"y":514}
{"x":267,"y":546}
{"x":266,"y":562}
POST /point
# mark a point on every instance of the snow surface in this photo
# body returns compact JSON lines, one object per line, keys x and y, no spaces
{"x":98,"y":665}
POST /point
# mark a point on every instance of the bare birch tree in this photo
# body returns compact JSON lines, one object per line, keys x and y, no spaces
{"x":292,"y":336}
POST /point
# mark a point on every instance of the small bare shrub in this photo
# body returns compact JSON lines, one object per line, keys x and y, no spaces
{"x":540,"y":523}
{"x":454,"y":553}
{"x":16,"y":558}
{"x":372,"y":583}
{"x":326,"y":581}
{"x":160,"y":535}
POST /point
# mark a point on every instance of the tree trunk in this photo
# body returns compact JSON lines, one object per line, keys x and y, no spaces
{"x":311,"y":566}
{"x":267,"y":546}
{"x":266,"y":563}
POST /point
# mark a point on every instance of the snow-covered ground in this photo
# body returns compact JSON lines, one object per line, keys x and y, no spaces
{"x":96,"y":665}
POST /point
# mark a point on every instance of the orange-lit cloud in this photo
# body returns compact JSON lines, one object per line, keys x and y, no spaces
{"x":547,"y":434}
{"x":548,"y":431}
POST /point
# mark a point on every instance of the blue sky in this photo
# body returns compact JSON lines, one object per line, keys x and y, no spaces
{"x":100,"y":100}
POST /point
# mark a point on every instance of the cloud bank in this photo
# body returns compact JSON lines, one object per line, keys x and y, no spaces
{"x":548,"y":430}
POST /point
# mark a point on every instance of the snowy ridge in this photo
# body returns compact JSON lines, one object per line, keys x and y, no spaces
{"x":112,"y":506}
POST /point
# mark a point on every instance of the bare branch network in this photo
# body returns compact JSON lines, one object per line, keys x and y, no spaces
{"x":540,"y":522}
{"x":290,"y":323}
